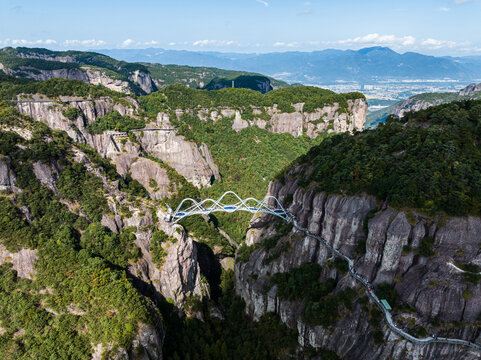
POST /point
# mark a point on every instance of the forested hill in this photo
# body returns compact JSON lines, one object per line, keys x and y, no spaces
{"x":43,"y":64}
{"x":121,"y":76}
{"x":430,"y":160}
{"x":197,"y":77}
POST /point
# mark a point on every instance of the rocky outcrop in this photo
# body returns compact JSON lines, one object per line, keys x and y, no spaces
{"x":421,"y":102}
{"x":147,"y":344}
{"x":47,"y":175}
{"x":86,"y":73}
{"x":51,"y":112}
{"x":330,"y":118}
{"x":253,"y":82}
{"x":192,"y":161}
{"x":23,"y":261}
{"x":470,"y":90}
{"x":40,"y":74}
{"x":143,"y":80}
{"x":8,"y":180}
{"x":96,"y":76}
{"x":436,"y":291}
{"x":147,"y":172}
{"x":179,"y":277}
{"x":414,"y":104}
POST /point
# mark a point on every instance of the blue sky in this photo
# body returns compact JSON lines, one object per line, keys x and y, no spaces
{"x":438,"y":27}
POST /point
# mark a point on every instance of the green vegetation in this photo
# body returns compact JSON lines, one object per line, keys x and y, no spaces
{"x":253,"y":82}
{"x":320,"y":305}
{"x":432,"y":168}
{"x":234,"y":338}
{"x":21,"y":60}
{"x":80,"y":294}
{"x":387,"y":291}
{"x":158,"y":253}
{"x":472,"y":272}
{"x":263,"y":155}
{"x":114,"y":121}
{"x":55,"y":88}
{"x":197,"y":77}
{"x":72,"y":113}
{"x":180,"y":97}
{"x":426,"y":247}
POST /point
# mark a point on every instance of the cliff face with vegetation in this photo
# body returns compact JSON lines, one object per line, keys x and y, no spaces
{"x":420,"y":250}
{"x":388,"y":246}
{"x":93,"y":68}
{"x":87,"y":175}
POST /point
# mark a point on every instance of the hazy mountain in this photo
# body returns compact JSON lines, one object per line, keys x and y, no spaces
{"x":368,"y":64}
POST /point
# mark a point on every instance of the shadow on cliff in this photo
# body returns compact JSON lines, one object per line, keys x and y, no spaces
{"x":210,"y":268}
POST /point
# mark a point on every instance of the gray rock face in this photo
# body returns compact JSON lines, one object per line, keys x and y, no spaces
{"x":179,"y":277}
{"x":51,"y":113}
{"x":328,"y":119}
{"x":471,"y":89}
{"x":47,"y":175}
{"x":8,"y":180}
{"x":88,"y":74}
{"x":147,"y":345}
{"x":414,"y":105}
{"x":143,"y":80}
{"x":433,"y":287}
{"x":193,"y":162}
{"x":23,"y":261}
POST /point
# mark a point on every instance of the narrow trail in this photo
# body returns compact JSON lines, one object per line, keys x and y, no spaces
{"x":375,"y":299}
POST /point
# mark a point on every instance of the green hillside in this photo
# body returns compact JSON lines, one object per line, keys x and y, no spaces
{"x":430,"y":160}
{"x":197,"y":77}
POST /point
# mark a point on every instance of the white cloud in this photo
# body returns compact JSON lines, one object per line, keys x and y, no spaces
{"x":435,"y":44}
{"x":148,"y":43}
{"x":284,"y":44}
{"x":376,"y":39}
{"x":23,"y":42}
{"x":172,"y":44}
{"x":127,"y":42}
{"x":458,"y":2}
{"x":84,"y":43}
{"x":265,"y":3}
{"x":202,"y":43}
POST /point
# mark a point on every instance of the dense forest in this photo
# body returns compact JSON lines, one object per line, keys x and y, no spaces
{"x":429,"y":160}
{"x":180,"y":97}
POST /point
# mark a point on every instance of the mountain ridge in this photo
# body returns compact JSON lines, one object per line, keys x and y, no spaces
{"x":318,"y":66}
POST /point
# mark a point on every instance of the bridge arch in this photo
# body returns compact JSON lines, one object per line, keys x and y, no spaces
{"x":270,"y":205}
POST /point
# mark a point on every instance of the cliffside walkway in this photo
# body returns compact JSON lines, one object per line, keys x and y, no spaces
{"x":252,"y":205}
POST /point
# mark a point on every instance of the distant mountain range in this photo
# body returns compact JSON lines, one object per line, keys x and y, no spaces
{"x":320,"y":67}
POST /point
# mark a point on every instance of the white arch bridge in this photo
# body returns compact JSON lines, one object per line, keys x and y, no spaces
{"x":269,"y":205}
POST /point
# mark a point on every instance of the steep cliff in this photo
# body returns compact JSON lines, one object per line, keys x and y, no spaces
{"x":193,"y":162}
{"x":429,"y":287}
{"x":330,"y":118}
